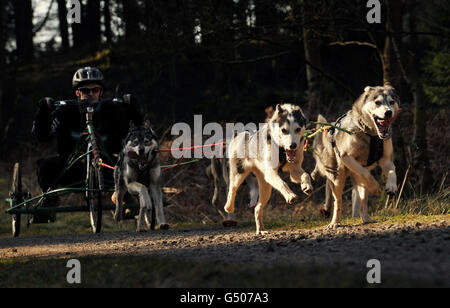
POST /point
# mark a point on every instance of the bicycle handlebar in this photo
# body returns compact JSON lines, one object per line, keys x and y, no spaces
{"x":115,"y":101}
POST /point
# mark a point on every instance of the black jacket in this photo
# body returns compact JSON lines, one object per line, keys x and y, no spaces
{"x":68,"y":120}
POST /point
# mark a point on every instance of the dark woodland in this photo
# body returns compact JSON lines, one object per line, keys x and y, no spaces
{"x":229,"y":60}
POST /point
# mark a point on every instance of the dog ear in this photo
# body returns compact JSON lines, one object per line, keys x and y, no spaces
{"x":305,"y":118}
{"x":269,"y":112}
{"x":279,"y":108}
{"x":132,"y":126}
{"x":358,"y":104}
{"x":388,"y":85}
{"x":146,"y":120}
{"x":368,"y":89}
{"x":147,"y":124}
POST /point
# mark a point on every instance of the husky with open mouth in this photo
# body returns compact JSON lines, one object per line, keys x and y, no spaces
{"x":278,"y":144}
{"x":340,"y":155}
{"x":138,"y":171}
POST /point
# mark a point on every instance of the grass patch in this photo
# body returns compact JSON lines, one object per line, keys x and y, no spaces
{"x":74,"y":223}
{"x":67,"y":223}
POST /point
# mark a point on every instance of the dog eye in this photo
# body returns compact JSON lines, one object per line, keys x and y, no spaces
{"x":378,"y":103}
{"x":285,"y":131}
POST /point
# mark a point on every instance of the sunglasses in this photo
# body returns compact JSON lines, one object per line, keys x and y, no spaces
{"x":95,"y":90}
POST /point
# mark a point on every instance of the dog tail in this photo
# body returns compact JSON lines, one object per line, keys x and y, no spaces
{"x":321,"y":119}
{"x":318,"y":147}
{"x":317,"y":142}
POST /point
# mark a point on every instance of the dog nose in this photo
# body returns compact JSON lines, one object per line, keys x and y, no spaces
{"x":388,"y":114}
{"x":293,"y":146}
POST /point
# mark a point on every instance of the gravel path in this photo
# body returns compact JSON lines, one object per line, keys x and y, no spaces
{"x":409,"y":250}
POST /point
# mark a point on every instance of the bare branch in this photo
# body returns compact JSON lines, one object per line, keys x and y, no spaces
{"x":354,"y":43}
{"x":259,"y":59}
{"x":44,"y":21}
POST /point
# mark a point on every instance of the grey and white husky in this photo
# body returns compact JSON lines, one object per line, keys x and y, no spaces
{"x":138,"y":171}
{"x":340,"y":155}
{"x":278,"y":144}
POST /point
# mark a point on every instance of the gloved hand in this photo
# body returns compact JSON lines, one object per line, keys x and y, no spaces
{"x":45,"y":105}
{"x":130,"y":99}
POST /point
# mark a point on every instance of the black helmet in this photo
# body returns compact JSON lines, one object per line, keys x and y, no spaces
{"x":87,"y":75}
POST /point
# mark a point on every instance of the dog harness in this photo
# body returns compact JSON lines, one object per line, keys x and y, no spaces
{"x":332,"y":130}
{"x":376,"y":145}
{"x":376,"y":150}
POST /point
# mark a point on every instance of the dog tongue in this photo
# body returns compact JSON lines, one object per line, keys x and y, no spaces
{"x":291,"y":154}
{"x":385,"y":123}
{"x":133,"y":155}
{"x":388,"y":122}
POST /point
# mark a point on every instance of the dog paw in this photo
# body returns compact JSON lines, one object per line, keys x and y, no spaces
{"x":391,"y":189}
{"x":368,"y":221}
{"x":164,"y":227}
{"x":333,"y":226}
{"x":229,"y":223}
{"x":315,"y":175}
{"x":262,"y":232}
{"x":374,"y":187}
{"x":292,"y":199}
{"x":324,"y":212}
{"x":117,"y":215}
{"x":307,"y":189}
{"x":228,"y":208}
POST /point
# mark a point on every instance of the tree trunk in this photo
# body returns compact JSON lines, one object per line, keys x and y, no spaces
{"x":3,"y":35}
{"x":78,"y":30}
{"x":3,"y":17}
{"x":107,"y":15}
{"x":391,"y":68}
{"x":421,"y":163}
{"x":63,"y":25}
{"x":131,"y":13}
{"x":311,"y":44}
{"x":93,"y":22}
{"x":265,"y":17}
{"x":411,"y":74}
{"x":23,"y":21}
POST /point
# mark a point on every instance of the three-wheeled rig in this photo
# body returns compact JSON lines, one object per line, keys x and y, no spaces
{"x":89,"y":151}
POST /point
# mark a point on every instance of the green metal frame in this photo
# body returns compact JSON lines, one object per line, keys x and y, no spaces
{"x":30,"y":206}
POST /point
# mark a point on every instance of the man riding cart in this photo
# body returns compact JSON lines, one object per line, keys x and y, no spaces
{"x":65,"y":120}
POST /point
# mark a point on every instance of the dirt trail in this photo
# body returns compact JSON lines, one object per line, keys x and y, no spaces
{"x":408,"y":250}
